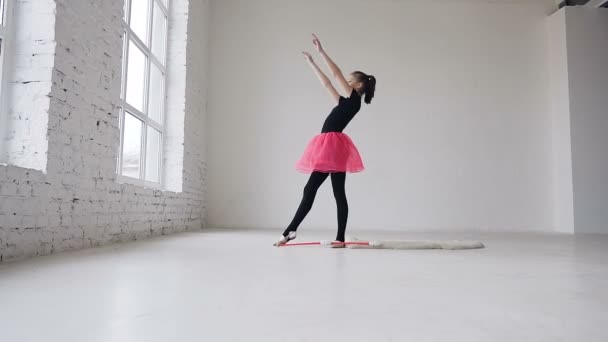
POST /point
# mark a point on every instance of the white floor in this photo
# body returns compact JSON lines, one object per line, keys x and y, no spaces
{"x":234,"y":286}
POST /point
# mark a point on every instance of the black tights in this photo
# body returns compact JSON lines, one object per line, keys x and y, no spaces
{"x":310,"y":191}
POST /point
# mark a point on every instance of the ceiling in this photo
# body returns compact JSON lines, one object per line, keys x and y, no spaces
{"x":593,"y":3}
{"x":576,"y":2}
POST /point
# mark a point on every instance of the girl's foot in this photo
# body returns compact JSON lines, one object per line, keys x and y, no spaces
{"x":337,"y":244}
{"x":285,"y":239}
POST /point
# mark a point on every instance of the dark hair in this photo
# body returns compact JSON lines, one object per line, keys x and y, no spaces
{"x":369,"y":84}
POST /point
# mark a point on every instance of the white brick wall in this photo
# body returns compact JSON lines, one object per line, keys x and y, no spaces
{"x":196,"y":99}
{"x":77,"y":202}
{"x":24,"y":137}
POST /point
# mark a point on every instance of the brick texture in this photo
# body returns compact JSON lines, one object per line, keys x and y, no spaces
{"x":74,"y":201}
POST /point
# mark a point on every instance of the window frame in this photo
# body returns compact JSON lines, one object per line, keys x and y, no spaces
{"x":124,"y":107}
{"x":6,"y":35}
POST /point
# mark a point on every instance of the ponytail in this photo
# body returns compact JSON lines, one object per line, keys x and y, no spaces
{"x":369,"y":85}
{"x":370,"y":89}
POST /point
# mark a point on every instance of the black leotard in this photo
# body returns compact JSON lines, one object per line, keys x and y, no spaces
{"x":341,"y":115}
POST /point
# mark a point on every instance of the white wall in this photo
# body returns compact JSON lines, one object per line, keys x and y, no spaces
{"x":587,"y":35}
{"x":457,"y":138}
{"x":557,"y":57}
{"x":77,"y":202}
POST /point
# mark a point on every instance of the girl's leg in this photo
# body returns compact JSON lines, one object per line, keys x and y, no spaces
{"x":310,"y":191}
{"x":337,"y":181}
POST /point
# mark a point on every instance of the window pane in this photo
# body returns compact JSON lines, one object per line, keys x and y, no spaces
{"x":156,"y":97}
{"x":159,"y":33}
{"x":164,"y":2}
{"x":124,"y":10}
{"x":136,"y":69}
{"x":153,"y":155}
{"x":131,"y":152}
{"x":139,"y":19}
{"x":124,"y":64}
{"x":2,"y":12}
{"x":120,"y":127}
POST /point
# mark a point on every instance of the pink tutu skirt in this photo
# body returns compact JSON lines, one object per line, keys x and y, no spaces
{"x":330,"y":152}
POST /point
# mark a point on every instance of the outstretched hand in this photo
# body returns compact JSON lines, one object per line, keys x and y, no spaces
{"x":307,"y":56}
{"x":317,"y":43}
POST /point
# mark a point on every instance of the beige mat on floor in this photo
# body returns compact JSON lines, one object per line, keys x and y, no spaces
{"x":418,"y":244}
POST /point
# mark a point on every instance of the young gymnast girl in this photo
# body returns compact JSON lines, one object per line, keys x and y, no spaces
{"x":332,"y":152}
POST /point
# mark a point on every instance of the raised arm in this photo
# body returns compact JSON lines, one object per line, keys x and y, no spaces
{"x":324,"y":80}
{"x":334,"y":69}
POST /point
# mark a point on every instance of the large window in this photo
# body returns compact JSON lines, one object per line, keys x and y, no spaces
{"x":4,"y":44}
{"x":5,"y":37}
{"x":142,"y":99}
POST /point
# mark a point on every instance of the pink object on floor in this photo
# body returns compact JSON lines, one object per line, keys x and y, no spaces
{"x":316,"y":243}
